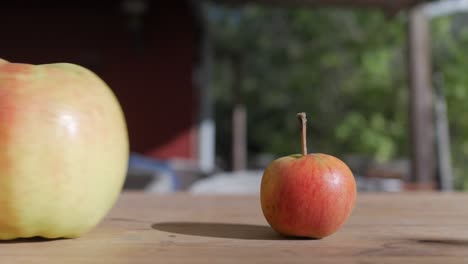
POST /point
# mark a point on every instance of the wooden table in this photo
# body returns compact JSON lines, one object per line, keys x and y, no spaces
{"x":142,"y":228}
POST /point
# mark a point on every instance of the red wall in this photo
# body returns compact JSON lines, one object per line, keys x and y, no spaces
{"x":151,"y":72}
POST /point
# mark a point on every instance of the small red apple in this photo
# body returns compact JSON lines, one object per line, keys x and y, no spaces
{"x":307,"y":195}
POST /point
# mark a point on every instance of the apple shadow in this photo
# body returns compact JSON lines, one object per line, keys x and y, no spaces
{"x":442,"y":241}
{"x":30,"y":240}
{"x":222,"y":230}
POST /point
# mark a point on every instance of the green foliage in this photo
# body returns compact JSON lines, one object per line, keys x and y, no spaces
{"x":346,"y":68}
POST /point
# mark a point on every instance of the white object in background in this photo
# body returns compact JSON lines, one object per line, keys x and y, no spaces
{"x":161,"y":183}
{"x":240,"y":182}
{"x":206,"y":145}
{"x":383,"y":185}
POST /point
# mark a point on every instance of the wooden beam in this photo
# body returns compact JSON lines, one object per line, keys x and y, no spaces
{"x":440,"y":8}
{"x":444,"y":161}
{"x":420,"y":101}
{"x":388,"y":5}
{"x":206,"y":147}
{"x":239,"y":118}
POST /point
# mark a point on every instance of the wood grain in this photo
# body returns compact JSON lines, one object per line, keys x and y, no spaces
{"x":180,"y":228}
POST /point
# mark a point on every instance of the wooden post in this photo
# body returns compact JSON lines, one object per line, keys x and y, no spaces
{"x":206,"y":149}
{"x":420,"y":102}
{"x":444,"y":161}
{"x":239,"y":118}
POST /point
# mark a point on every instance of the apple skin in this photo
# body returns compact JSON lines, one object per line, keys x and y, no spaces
{"x":307,"y":196}
{"x":63,"y":150}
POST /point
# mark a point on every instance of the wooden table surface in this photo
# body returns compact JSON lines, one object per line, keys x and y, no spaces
{"x":180,"y":228}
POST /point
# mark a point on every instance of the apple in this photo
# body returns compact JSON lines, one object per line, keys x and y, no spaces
{"x":63,"y":150}
{"x":307,"y":195}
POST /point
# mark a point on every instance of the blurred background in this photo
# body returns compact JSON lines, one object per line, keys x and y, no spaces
{"x":210,"y":89}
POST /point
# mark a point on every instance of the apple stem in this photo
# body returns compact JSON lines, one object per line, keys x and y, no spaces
{"x":302,"y":123}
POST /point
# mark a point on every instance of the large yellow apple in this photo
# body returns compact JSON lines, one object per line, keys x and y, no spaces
{"x":63,"y":150}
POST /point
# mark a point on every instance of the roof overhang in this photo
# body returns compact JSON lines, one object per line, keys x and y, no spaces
{"x":389,"y":6}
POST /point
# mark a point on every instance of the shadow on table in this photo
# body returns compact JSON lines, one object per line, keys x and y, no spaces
{"x":30,"y":240}
{"x":221,"y":230}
